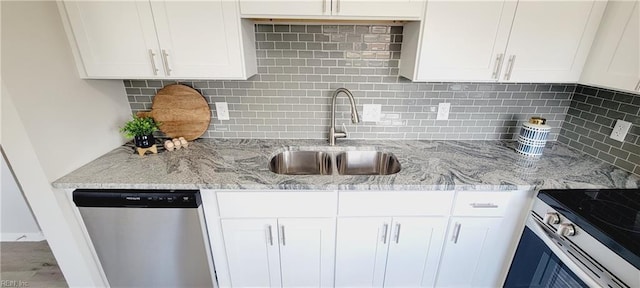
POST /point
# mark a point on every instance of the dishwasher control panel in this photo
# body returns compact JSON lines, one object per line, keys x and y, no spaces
{"x":137,"y":198}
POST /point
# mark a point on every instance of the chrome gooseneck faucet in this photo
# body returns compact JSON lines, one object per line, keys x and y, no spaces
{"x":354,"y":115}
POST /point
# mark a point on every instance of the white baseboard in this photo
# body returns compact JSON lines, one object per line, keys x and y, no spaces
{"x":22,"y":237}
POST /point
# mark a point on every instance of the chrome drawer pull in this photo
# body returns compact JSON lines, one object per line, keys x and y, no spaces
{"x":282,"y":230}
{"x":456,"y":233}
{"x":510,"y":64}
{"x":153,"y":62}
{"x":269,"y":235}
{"x":483,"y":205}
{"x":165,"y":57}
{"x":397,"y":233}
{"x":385,"y":227}
{"x":496,"y":69}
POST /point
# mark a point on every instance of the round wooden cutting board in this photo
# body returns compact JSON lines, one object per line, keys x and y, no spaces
{"x":181,"y":110}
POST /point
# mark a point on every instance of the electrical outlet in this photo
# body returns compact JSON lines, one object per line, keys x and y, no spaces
{"x":620,"y":130}
{"x":371,"y":112}
{"x":443,"y":111}
{"x":222,"y":110}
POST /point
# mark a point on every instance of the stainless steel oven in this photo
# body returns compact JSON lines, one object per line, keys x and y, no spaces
{"x":580,"y":238}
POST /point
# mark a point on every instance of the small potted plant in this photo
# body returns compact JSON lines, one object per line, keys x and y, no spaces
{"x":141,"y":130}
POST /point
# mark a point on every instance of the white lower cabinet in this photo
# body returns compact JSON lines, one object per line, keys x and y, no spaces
{"x":306,"y":252}
{"x":388,"y":251}
{"x":283,"y":252}
{"x":474,"y":253}
{"x":253,"y":256}
{"x":364,"y":238}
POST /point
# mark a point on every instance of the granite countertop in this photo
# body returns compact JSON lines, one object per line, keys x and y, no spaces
{"x":426,"y":165}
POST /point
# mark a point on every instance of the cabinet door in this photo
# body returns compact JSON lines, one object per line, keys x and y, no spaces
{"x":396,"y":9}
{"x":474,"y":253}
{"x":199,"y":39}
{"x":550,"y":40}
{"x":414,"y":251}
{"x":285,"y":7}
{"x":361,"y":251}
{"x":115,"y":39}
{"x":306,"y":252}
{"x":614,"y":60}
{"x":252,"y":252}
{"x":463,"y":40}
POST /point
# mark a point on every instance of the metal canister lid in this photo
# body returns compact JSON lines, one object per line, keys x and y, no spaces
{"x":538,"y":120}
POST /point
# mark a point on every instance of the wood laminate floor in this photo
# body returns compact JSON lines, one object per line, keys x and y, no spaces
{"x":30,"y":264}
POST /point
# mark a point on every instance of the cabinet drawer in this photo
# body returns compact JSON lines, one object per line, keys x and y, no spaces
{"x":399,"y":203}
{"x":277,"y":204}
{"x":476,"y":203}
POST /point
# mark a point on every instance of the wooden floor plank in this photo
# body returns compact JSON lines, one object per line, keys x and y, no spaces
{"x":30,"y":262}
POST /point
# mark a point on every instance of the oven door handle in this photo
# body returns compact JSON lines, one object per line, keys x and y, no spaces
{"x":566,"y":260}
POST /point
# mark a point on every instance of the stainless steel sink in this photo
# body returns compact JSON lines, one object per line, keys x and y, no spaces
{"x":367,"y":163}
{"x":347,"y":163}
{"x":301,"y":163}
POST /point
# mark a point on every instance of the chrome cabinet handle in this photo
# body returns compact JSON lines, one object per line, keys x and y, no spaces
{"x":484,"y":205}
{"x":385,"y":227}
{"x":165,"y":58}
{"x":397,"y":236}
{"x":338,"y":6}
{"x":510,"y":64}
{"x":456,"y":233}
{"x":282,"y":235}
{"x":269,"y":235}
{"x":496,"y":68}
{"x":638,"y":86}
{"x":153,"y":62}
{"x":324,"y":6}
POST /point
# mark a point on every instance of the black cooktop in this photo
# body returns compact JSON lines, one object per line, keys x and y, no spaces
{"x":610,"y":215}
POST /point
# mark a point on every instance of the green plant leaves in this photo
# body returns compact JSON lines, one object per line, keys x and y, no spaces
{"x":139,"y":126}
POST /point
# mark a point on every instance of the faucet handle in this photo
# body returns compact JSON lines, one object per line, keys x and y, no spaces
{"x":344,"y":130}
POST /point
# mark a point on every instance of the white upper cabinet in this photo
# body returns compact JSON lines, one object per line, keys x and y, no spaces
{"x":550,"y":40}
{"x":333,"y":9}
{"x":199,"y":38}
{"x":284,"y":8}
{"x":160,"y":39}
{"x":114,"y":38}
{"x":511,"y":41}
{"x":463,"y":40}
{"x":614,"y":60}
{"x":389,"y":9}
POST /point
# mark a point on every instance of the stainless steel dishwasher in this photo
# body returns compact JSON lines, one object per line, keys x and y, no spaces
{"x":148,"y":238}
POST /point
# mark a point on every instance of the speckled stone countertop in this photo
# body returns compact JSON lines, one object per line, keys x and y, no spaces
{"x":426,"y":165}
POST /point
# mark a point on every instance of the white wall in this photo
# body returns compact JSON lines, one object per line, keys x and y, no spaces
{"x":70,"y":121}
{"x":16,"y":220}
{"x":52,"y":123}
